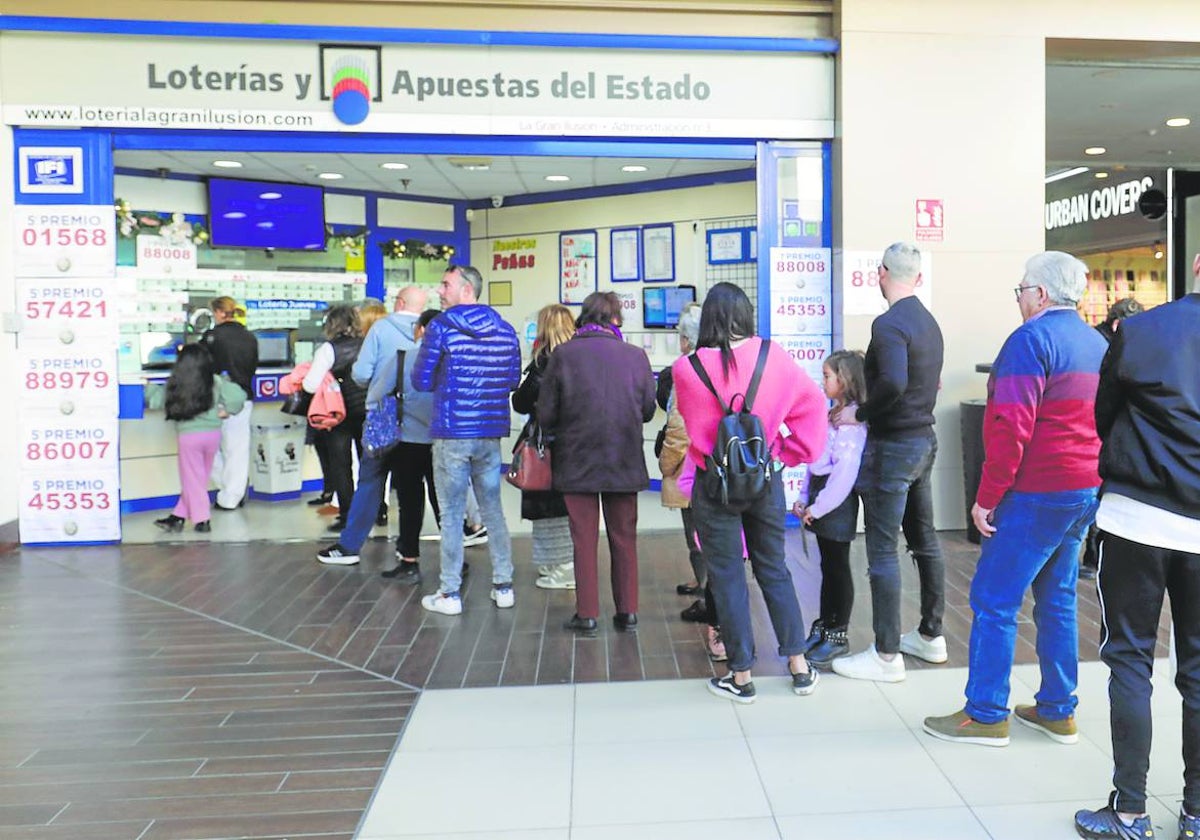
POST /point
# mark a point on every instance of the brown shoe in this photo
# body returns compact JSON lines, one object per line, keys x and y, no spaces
{"x":1063,"y":731}
{"x":964,"y":729}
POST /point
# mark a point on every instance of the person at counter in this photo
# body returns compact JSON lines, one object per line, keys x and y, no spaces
{"x":197,"y":399}
{"x":235,"y":353}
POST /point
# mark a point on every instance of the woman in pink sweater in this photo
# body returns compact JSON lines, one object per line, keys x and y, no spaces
{"x":793,"y":415}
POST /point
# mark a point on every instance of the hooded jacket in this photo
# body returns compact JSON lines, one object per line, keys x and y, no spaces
{"x":470,"y":359}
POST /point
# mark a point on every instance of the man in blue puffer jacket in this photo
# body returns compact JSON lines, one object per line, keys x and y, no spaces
{"x":470,"y":359}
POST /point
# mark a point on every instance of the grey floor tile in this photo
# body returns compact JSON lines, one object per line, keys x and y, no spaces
{"x":489,"y":718}
{"x":743,"y":829}
{"x":665,"y":781}
{"x":917,"y":824}
{"x":1054,"y":820}
{"x":667,"y":710}
{"x":838,"y":705}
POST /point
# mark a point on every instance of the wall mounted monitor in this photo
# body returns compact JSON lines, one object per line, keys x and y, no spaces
{"x":274,"y":348}
{"x":266,"y":215}
{"x":661,"y":305}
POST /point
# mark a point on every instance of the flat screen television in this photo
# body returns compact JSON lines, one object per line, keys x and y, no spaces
{"x":266,"y":215}
{"x":661,"y":305}
{"x":274,"y":348}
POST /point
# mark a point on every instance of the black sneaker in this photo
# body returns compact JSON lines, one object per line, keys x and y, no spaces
{"x":726,"y":687}
{"x":477,"y":537}
{"x":806,"y":683}
{"x":336,"y":555}
{"x":320,"y":501}
{"x":405,"y":572}
{"x":815,"y":634}
{"x":1104,"y":824}
{"x":832,"y":645}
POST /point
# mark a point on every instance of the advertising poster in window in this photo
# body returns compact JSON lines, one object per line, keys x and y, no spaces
{"x":576,"y":266}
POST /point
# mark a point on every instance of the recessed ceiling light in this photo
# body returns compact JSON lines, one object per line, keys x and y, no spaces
{"x":227,"y":164}
{"x":393,"y":165}
{"x":1178,"y":122}
{"x":330,"y":176}
{"x":633,"y":167}
{"x":1101,"y":174}
{"x":558,"y":178}
{"x":1095,"y":150}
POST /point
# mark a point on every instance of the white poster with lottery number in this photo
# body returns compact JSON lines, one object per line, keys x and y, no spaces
{"x":809,"y":352}
{"x":68,"y":378}
{"x":801,"y":291}
{"x":67,"y":507}
{"x":70,"y":444}
{"x":860,"y":282}
{"x":49,"y":308}
{"x":64,"y":240}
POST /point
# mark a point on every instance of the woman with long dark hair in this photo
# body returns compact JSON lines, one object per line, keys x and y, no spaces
{"x":786,"y":399}
{"x":197,"y":400}
{"x":596,"y":395}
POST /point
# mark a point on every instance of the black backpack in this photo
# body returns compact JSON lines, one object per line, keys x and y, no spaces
{"x":738,"y":472}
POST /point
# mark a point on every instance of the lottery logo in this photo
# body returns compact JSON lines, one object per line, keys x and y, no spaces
{"x":350,"y":80}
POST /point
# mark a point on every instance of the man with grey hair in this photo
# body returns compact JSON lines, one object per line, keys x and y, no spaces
{"x":470,"y":359}
{"x":903,"y":370}
{"x":1148,"y":417}
{"x":1036,"y":499}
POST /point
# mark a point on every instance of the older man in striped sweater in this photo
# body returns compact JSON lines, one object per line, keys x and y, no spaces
{"x":1035,"y":502}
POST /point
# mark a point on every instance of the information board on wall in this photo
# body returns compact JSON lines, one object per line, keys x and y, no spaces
{"x":576,"y":266}
{"x":68,"y":399}
{"x":860,"y":283}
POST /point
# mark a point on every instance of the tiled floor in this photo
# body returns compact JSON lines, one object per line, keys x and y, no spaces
{"x":664,"y":760}
{"x":202,"y":690}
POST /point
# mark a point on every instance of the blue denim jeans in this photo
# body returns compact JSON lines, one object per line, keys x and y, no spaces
{"x":1037,"y":542}
{"x":455,"y":464}
{"x":894,"y":483}
{"x":372,"y":476}
{"x":720,"y":532}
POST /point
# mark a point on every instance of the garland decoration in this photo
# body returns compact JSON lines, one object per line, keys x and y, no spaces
{"x":415,"y":249}
{"x":174,"y":227}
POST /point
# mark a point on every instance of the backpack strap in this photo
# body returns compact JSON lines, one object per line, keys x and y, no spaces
{"x":751,"y":391}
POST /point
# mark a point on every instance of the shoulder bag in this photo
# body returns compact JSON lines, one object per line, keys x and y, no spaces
{"x":381,"y":428}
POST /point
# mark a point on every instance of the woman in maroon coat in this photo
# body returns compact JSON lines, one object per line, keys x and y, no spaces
{"x":597,"y":393}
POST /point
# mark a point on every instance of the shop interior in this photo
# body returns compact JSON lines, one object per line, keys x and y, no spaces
{"x":1118,"y":113}
{"x":506,"y":211}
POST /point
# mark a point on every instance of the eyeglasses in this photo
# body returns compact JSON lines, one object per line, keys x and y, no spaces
{"x":1019,"y":289}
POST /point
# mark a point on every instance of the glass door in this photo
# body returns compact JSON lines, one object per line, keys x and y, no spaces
{"x":1183,"y":228}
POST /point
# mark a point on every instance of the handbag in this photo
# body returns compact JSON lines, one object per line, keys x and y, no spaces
{"x":530,"y":468}
{"x":297,"y":403}
{"x":381,"y":428}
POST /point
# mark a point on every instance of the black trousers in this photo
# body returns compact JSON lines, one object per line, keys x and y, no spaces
{"x":339,"y":466}
{"x":412,"y":471}
{"x":1132,"y":580}
{"x":837,"y":584}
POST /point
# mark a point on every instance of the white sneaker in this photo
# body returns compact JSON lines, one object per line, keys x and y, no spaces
{"x":477,"y":537}
{"x":869,"y":665}
{"x":931,"y":650}
{"x":335,"y":555}
{"x":561,"y":576}
{"x":503,"y":597}
{"x":439,"y":602}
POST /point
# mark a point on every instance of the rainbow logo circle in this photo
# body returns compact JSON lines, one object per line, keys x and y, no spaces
{"x":351,"y":90}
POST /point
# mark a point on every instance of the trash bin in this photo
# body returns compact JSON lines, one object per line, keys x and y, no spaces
{"x":972,"y":450}
{"x":277,"y":457}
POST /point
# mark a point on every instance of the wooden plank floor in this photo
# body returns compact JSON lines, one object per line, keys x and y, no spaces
{"x":243,"y":690}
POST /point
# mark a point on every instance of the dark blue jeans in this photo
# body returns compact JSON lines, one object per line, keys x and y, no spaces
{"x":1132,"y":580}
{"x":894,"y":483}
{"x":720,"y":532}
{"x":1036,"y":544}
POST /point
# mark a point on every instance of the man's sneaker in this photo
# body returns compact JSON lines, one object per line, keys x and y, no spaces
{"x":931,"y":650}
{"x":1104,"y":824}
{"x":964,"y":729}
{"x":561,"y":576}
{"x":806,"y":683}
{"x":1189,"y":826}
{"x":477,"y":537}
{"x":1064,"y":731}
{"x":405,"y":572}
{"x":726,"y":687}
{"x":869,"y":665}
{"x":336,"y":555}
{"x":440,"y":602}
{"x":503,"y":596}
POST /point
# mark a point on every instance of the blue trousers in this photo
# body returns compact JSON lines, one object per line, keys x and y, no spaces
{"x":1037,"y":542}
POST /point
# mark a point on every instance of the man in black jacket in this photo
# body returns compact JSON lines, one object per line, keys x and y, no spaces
{"x":903,"y":370}
{"x":235,"y":353}
{"x":1148,"y":418}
